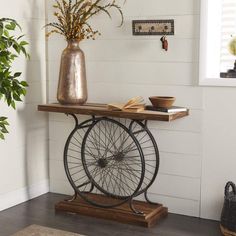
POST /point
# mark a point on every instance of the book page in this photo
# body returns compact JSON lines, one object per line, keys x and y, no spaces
{"x":115,"y":106}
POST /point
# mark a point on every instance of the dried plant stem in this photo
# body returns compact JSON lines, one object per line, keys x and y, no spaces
{"x":73,"y":16}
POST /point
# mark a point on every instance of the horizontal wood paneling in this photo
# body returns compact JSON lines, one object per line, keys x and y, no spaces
{"x":23,"y":127}
{"x":33,"y":28}
{"x":37,"y":93}
{"x":185,"y":96}
{"x":62,"y":187}
{"x":30,"y":9}
{"x":56,"y":171}
{"x":158,"y":7}
{"x":138,"y":8}
{"x":185,"y":165}
{"x":190,"y":97}
{"x":133,"y":50}
{"x":121,"y":66}
{"x":219,"y":149}
{"x":36,"y":50}
{"x":19,"y":174}
{"x":178,"y":142}
{"x":144,"y":73}
{"x":186,"y":26}
{"x":192,"y":123}
{"x":33,"y":70}
{"x":178,"y":205}
{"x":168,"y":141}
{"x":176,"y":186}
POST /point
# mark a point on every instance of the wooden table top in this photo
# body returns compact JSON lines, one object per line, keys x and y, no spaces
{"x":96,"y":109}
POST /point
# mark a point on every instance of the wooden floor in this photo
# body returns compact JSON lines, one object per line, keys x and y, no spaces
{"x":41,"y":211}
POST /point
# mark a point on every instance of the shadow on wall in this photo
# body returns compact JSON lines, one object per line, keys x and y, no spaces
{"x":35,"y":123}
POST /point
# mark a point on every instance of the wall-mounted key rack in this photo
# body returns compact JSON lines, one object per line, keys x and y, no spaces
{"x":153,"y":27}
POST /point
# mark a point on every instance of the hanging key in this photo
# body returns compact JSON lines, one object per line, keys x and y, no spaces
{"x":164,"y":43}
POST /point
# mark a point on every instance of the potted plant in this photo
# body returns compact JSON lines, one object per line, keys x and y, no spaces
{"x":73,"y":23}
{"x":11,"y":87}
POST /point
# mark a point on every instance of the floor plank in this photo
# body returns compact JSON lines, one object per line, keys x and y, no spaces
{"x":41,"y":211}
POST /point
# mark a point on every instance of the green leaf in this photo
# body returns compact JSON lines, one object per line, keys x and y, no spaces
{"x":17,"y":74}
{"x":24,"y":83}
{"x":23,"y":43}
{"x":17,"y":48}
{"x":1,"y":136}
{"x":4,"y":123}
{"x":13,"y":104}
{"x":17,"y":97}
{"x":11,"y":26}
{"x":20,"y":37}
{"x":23,"y":91}
{"x":4,"y":130}
{"x":3,"y":118}
{"x":6,"y":33}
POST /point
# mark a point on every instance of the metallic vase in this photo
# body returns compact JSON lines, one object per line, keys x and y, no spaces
{"x":72,"y":85}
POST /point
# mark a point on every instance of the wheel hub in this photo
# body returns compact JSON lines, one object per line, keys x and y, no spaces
{"x":102,"y":162}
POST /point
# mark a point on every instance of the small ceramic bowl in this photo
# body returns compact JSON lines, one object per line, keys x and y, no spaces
{"x":165,"y":102}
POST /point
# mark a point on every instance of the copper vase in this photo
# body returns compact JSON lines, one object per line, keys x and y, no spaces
{"x":72,"y":85}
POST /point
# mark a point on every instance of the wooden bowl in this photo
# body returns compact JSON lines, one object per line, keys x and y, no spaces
{"x":165,"y":102}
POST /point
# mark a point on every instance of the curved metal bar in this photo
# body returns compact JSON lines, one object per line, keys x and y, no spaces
{"x":92,"y":187}
{"x":145,"y":124}
{"x":93,"y":117}
{"x":77,"y":126}
{"x":133,"y":209}
{"x":145,"y":128}
{"x":147,"y":199}
{"x":73,"y":197}
{"x":75,"y":118}
{"x":84,"y":184}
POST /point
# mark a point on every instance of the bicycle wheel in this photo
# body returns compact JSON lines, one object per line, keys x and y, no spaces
{"x":150,"y":152}
{"x":72,"y":159}
{"x":111,"y":165}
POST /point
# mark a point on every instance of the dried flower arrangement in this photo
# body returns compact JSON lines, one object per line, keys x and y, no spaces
{"x":73,"y":16}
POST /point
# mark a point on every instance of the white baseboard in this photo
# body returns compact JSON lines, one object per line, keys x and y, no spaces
{"x":18,"y":196}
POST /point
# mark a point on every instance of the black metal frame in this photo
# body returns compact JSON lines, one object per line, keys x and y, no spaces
{"x":95,"y":165}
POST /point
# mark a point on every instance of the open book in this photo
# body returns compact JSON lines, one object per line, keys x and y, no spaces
{"x":134,"y":105}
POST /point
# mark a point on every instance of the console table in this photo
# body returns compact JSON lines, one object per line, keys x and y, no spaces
{"x":109,"y":160}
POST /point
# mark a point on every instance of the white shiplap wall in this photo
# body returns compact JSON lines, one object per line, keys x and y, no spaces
{"x":120,"y":66}
{"x":24,"y":153}
{"x":219,"y":152}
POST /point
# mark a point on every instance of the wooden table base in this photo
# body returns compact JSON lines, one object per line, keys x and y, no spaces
{"x":152,"y":212}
